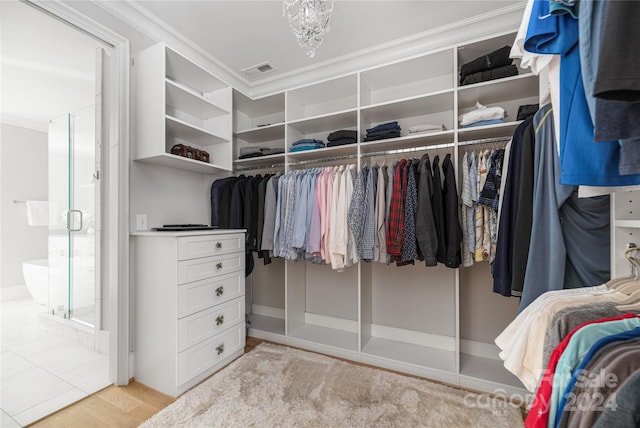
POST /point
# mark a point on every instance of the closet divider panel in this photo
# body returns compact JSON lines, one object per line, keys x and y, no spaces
{"x":483,"y":315}
{"x":266,"y":296}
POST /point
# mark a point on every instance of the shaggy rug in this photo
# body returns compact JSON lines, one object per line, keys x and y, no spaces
{"x":278,"y":386}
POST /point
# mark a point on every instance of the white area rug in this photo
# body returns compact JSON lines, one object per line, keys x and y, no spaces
{"x":277,"y":386}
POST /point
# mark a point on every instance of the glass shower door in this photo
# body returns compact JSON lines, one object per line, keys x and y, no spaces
{"x":72,"y":225}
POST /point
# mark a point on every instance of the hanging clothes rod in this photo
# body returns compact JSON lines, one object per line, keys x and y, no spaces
{"x":331,"y":159}
{"x":409,"y":150}
{"x":260,"y":167}
{"x":485,"y":141}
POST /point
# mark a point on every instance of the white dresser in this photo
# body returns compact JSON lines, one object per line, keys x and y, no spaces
{"x":189,"y":306}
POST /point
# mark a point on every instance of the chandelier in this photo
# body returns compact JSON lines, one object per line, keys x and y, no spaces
{"x":309,"y":21}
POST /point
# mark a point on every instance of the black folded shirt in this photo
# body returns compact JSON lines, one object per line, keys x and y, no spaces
{"x":495,"y":59}
{"x":496,"y":73}
{"x":389,"y":134}
{"x":341,"y":134}
{"x":341,"y":142}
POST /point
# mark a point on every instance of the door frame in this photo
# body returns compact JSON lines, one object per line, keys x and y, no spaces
{"x":115,"y":221}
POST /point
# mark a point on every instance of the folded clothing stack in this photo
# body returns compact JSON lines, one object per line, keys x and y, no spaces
{"x":254,"y":152}
{"x":481,"y":116}
{"x":342,"y":137}
{"x":383,"y":131}
{"x":492,"y":66}
{"x":426,"y":129}
{"x":306,"y":144}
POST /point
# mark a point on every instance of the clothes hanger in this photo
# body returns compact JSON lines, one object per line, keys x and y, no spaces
{"x":615,"y":283}
{"x":633,"y":285}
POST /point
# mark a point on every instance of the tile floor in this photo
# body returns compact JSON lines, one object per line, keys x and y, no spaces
{"x":42,"y":372}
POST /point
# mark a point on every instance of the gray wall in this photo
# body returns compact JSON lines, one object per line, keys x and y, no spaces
{"x":23,"y":176}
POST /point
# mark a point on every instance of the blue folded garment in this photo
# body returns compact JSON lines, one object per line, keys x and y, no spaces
{"x":383,"y":126}
{"x":306,"y":141}
{"x":305,"y":148}
{"x":484,"y":123}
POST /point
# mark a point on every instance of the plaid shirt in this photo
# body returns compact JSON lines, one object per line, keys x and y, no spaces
{"x":409,"y":247}
{"x":395,"y":222}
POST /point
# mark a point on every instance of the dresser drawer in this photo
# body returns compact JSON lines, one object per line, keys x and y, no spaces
{"x":207,"y":267}
{"x":199,"y":358}
{"x":203,"y":325}
{"x":193,"y":247}
{"x":196,"y":296}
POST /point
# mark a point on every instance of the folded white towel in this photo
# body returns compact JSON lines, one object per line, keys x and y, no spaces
{"x":38,"y":213}
{"x":481,"y":113}
{"x":426,"y":127}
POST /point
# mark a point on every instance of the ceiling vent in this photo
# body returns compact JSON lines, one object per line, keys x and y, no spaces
{"x":258,"y":69}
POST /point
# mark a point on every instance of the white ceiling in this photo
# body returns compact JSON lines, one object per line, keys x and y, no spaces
{"x":242,"y":34}
{"x":47,"y":67}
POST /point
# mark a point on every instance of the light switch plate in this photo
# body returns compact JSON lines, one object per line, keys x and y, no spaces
{"x":141,"y":222}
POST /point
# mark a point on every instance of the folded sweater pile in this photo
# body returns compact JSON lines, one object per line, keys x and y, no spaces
{"x":383,"y":131}
{"x":481,"y":116}
{"x":342,"y":137}
{"x":306,"y":144}
{"x":254,"y":152}
{"x":494,"y":65}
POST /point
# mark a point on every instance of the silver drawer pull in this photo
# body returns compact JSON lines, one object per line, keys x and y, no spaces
{"x":219,"y":319}
{"x":220,"y":349}
{"x":219,"y":291}
{"x":218,"y":245}
{"x":218,"y":266}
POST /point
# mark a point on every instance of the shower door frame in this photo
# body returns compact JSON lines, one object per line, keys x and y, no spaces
{"x":115,"y":254}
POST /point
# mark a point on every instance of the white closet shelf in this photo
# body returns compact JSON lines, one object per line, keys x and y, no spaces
{"x":182,"y":130}
{"x":632,"y":224}
{"x":479,"y":132}
{"x":261,"y":134}
{"x":487,"y":369}
{"x":422,"y":105}
{"x":260,"y":160}
{"x":432,"y":358}
{"x":347,"y":149}
{"x":180,"y":69}
{"x":327,"y":336}
{"x":327,"y":122}
{"x":187,"y":100}
{"x":499,"y":90}
{"x":409,"y":141}
{"x":267,"y":324}
{"x":174,"y":161}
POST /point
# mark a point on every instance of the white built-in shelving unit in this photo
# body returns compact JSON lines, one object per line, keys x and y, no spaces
{"x":429,"y":321}
{"x":179,"y":102}
{"x":625,"y":229}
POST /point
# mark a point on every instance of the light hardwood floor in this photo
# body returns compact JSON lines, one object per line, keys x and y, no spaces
{"x":115,"y":407}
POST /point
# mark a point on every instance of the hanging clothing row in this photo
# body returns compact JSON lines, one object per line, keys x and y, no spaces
{"x":481,"y":178}
{"x":389,"y":214}
{"x":580,"y":348}
{"x":548,"y":238}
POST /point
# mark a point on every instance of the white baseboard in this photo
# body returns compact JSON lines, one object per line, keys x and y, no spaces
{"x":445,"y":343}
{"x":479,"y":349}
{"x":331,"y":322}
{"x":267,"y":311}
{"x":14,"y":292}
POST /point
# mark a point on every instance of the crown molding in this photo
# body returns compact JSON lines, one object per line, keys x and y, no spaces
{"x":139,"y":18}
{"x":499,"y":21}
{"x":495,"y":22}
{"x":21,"y":122}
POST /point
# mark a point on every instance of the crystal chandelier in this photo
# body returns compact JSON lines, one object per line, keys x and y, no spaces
{"x":309,"y":21}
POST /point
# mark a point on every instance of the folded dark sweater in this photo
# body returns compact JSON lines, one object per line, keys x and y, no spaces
{"x":341,"y":134}
{"x":496,"y":73}
{"x":251,"y":155}
{"x":388,"y":125}
{"x":272,"y":151}
{"x":341,"y":142}
{"x":382,"y":132}
{"x":495,"y":59}
{"x":391,"y":134}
